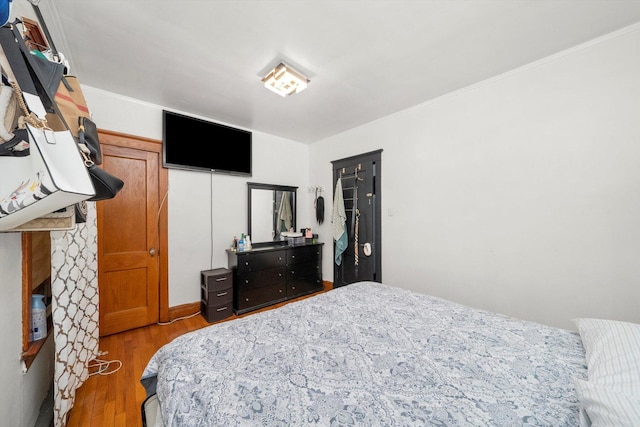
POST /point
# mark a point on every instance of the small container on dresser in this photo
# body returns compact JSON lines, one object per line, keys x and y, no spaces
{"x":216,"y":294}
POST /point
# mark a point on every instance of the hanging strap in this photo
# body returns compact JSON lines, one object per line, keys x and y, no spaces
{"x":17,"y":68}
{"x":25,"y":61}
{"x":37,"y":73}
{"x":355,"y":238}
{"x":44,"y":28}
{"x":28,"y":116}
{"x":355,"y":214}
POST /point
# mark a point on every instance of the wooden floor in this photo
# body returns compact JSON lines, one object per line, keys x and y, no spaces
{"x":115,"y":399}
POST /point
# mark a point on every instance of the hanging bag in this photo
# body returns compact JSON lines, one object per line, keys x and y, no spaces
{"x":53,"y":175}
{"x":108,"y":184}
{"x":88,"y":137}
{"x":71,"y":105}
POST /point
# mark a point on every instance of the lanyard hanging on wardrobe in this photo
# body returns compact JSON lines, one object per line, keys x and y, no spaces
{"x":355,"y":219}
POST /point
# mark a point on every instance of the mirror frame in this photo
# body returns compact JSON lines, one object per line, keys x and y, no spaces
{"x":260,"y":186}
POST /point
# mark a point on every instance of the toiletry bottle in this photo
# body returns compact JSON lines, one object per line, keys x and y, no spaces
{"x":247,"y":243}
{"x":241,"y":243}
{"x":38,"y":317}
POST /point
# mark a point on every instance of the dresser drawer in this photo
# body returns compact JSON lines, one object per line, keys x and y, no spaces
{"x":259,"y":297}
{"x":308,"y":269}
{"x":303,"y":279}
{"x":258,"y":279}
{"x":303,"y":254}
{"x":303,"y":286}
{"x":258,"y":261}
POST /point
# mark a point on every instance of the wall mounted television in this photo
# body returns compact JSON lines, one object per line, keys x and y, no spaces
{"x":195,"y":144}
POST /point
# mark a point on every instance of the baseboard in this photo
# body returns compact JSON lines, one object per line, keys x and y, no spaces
{"x":193,"y":307}
{"x":183,"y":310}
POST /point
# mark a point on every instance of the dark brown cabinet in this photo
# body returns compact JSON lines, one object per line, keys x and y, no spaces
{"x":216,"y":294}
{"x":266,"y":276}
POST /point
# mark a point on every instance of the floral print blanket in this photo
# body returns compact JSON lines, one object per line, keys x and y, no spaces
{"x":369,"y":354}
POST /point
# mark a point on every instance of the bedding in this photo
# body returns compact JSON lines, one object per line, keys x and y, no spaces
{"x":611,"y":397}
{"x":370,"y":354}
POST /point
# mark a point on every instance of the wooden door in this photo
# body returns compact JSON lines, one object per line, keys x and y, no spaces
{"x":132,"y":236}
{"x":360,"y":179}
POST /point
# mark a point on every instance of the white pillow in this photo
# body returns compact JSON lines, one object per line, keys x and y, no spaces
{"x":606,"y":407}
{"x":612,"y":395}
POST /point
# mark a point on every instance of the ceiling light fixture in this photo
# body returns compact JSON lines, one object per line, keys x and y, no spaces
{"x":284,"y":80}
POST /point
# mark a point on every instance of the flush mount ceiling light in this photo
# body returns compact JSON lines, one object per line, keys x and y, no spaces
{"x":284,"y":80}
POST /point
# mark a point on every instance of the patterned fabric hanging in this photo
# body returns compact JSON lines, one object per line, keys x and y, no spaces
{"x":74,"y":288}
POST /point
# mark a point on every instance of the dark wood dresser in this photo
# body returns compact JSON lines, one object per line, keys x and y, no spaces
{"x":267,"y":275}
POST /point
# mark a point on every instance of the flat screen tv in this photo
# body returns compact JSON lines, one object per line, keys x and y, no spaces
{"x":194,"y":144}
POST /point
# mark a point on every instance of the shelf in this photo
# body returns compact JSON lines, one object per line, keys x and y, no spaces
{"x":36,"y":278}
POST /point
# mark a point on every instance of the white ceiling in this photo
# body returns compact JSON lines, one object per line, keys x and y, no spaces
{"x":365,"y":59}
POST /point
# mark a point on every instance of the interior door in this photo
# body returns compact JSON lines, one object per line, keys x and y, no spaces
{"x":360,"y":180}
{"x":132,"y":262}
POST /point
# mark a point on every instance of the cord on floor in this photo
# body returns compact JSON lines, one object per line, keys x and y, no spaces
{"x":103,"y":367}
{"x":179,"y":318}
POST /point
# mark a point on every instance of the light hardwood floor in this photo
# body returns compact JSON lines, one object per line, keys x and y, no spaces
{"x":116,"y":399}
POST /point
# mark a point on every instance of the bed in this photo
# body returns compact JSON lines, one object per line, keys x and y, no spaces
{"x":369,"y":354}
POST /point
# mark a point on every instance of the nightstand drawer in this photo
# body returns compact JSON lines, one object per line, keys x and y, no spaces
{"x":217,"y":297}
{"x":219,"y":278}
{"x":213,"y":314}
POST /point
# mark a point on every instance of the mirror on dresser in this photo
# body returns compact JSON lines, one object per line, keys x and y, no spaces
{"x":272,"y":210}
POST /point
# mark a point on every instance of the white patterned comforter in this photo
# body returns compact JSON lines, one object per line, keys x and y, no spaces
{"x":372,"y":355}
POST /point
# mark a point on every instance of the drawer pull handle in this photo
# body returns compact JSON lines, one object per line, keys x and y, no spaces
{"x":293,"y":256}
{"x":221,"y":294}
{"x":246,"y":263}
{"x":293,"y":272}
{"x":293,"y":287}
{"x":221,"y":309}
{"x":246,"y":299}
{"x":221,"y":279}
{"x":246,"y":281}
{"x":280,"y":290}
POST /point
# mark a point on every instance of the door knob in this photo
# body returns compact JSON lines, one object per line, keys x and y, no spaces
{"x":152,"y":252}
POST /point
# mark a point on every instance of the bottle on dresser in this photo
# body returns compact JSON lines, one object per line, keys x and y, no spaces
{"x":241,"y":243}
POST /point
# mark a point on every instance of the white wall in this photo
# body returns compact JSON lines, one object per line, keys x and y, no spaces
{"x":519,"y":195}
{"x":205,"y":210}
{"x":21,"y":394}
